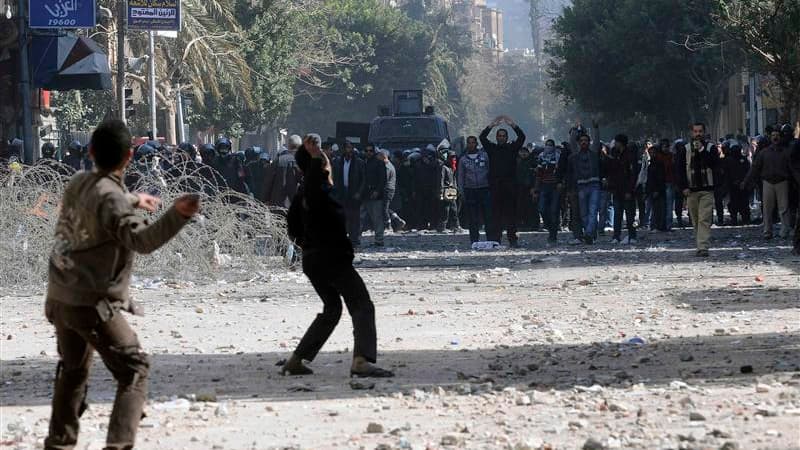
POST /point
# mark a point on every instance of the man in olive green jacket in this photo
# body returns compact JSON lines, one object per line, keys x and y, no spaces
{"x":97,"y":234}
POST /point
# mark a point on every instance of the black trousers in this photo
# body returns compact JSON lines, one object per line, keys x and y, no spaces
{"x":719,"y":204}
{"x":797,"y":231}
{"x":504,"y":211}
{"x":575,"y":220}
{"x":679,"y":206}
{"x":527,"y":209}
{"x":641,"y":205}
{"x":334,"y":279}
{"x":352,"y":218}
{"x":739,"y":205}
{"x":429,"y":211}
{"x":659,"y":205}
{"x":627,"y":206}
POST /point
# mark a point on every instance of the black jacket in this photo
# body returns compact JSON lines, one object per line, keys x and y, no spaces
{"x":374,"y":179}
{"x":620,"y":170}
{"x":427,"y":179}
{"x":315,"y":221}
{"x":736,"y":168}
{"x":353,"y":195}
{"x":656,"y":177}
{"x":502,"y":158}
{"x":702,"y":169}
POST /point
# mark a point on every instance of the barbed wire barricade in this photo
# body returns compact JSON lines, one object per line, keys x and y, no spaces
{"x":235,"y":237}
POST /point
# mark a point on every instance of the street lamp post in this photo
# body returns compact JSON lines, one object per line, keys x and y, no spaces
{"x":25,"y":84}
{"x":152,"y":66}
{"x":121,"y":60}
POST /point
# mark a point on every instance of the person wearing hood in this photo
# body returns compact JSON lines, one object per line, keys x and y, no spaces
{"x":231,"y":167}
{"x":502,"y":178}
{"x":550,"y":168}
{"x":283,"y":178}
{"x":449,"y":194}
{"x":527,"y":214}
{"x":473,"y":185}
{"x":257,"y":168}
{"x":736,"y":168}
{"x":74,"y":155}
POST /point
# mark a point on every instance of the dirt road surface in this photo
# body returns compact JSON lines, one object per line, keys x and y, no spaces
{"x":609,"y":346}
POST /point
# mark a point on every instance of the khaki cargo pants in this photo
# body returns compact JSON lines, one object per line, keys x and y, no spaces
{"x":80,"y":331}
{"x":701,"y":210}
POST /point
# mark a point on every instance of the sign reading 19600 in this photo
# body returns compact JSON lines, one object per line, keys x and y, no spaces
{"x":62,"y":13}
{"x":154,"y":15}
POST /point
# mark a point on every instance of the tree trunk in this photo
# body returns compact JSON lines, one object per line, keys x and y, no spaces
{"x":171,"y":128}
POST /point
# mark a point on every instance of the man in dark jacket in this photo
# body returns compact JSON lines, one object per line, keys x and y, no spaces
{"x":655,"y":188}
{"x":550,"y":169}
{"x":502,"y":178}
{"x":773,"y":167}
{"x":428,"y":189}
{"x":282,"y":179}
{"x":736,"y":168}
{"x":317,"y":225}
{"x":374,"y":193}
{"x":694,"y":175}
{"x":527,"y":215}
{"x":621,"y":174}
{"x":231,"y":167}
{"x":348,"y":178}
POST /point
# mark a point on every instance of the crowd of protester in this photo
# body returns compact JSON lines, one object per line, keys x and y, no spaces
{"x":583,"y":186}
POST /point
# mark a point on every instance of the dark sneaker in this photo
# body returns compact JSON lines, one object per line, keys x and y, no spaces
{"x":702,"y":253}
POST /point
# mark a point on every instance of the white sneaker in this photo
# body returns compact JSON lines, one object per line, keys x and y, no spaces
{"x":614,"y":241}
{"x":575,"y":241}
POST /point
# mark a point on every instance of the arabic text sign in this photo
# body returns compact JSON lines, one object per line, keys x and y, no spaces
{"x":62,"y":13}
{"x":154,"y":14}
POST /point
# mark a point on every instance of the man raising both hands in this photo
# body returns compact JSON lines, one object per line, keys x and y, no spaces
{"x":502,"y":179}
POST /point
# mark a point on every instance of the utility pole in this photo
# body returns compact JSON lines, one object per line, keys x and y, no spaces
{"x":152,"y":65}
{"x":121,"y":13}
{"x":25,"y":84}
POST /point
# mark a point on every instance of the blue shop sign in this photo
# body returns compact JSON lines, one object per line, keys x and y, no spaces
{"x":161,"y":15}
{"x":62,"y":13}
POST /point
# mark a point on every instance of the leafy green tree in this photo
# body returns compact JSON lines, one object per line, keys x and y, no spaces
{"x":768,"y":31}
{"x":640,"y":62}
{"x":398,"y":53}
